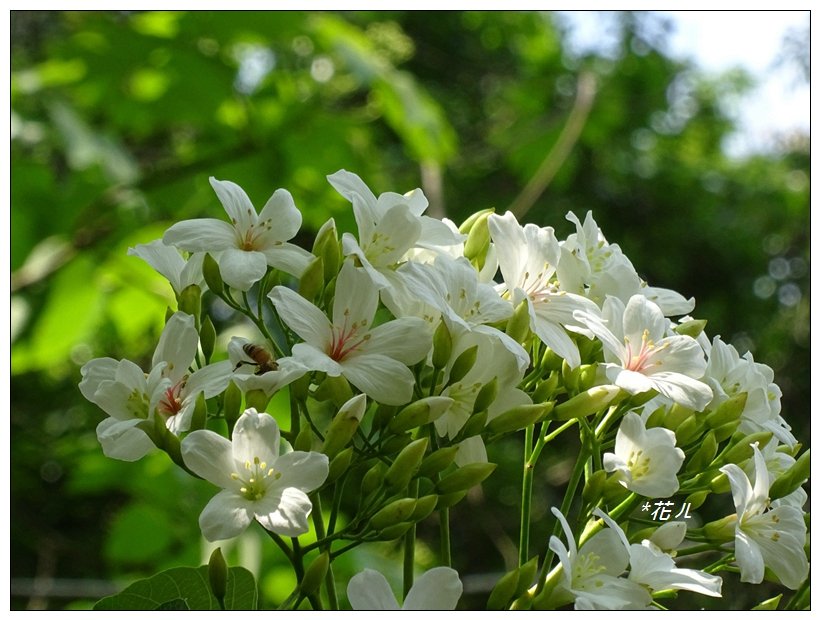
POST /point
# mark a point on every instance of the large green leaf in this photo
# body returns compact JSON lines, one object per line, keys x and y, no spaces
{"x":183,"y":588}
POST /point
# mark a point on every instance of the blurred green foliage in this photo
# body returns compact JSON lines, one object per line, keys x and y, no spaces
{"x":118,"y":118}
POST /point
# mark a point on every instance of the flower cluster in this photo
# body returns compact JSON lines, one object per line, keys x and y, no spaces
{"x":408,"y":348}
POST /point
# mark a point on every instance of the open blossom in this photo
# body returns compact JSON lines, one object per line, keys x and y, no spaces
{"x":647,"y":461}
{"x":640,"y":356}
{"x":257,"y":482}
{"x":528,"y":257}
{"x":766,"y":536}
{"x":245,"y":247}
{"x":438,"y":589}
{"x":374,"y":359}
{"x":168,"y":262}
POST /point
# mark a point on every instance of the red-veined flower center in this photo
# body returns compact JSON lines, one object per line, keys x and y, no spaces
{"x":346,"y":339}
{"x":638,"y":361}
{"x":171,"y":401}
{"x":249,"y":240}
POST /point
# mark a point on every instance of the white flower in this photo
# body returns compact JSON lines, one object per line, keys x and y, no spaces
{"x":168,"y":262}
{"x":437,"y":589}
{"x":641,"y":356}
{"x":592,"y":266}
{"x":729,"y":374}
{"x":528,"y":257}
{"x":257,"y":482}
{"x":374,"y":359}
{"x":766,"y":536}
{"x":250,"y":242}
{"x":647,"y":461}
{"x":389,"y":226}
{"x":591,"y":574}
{"x":268,"y":375}
{"x":129,"y":396}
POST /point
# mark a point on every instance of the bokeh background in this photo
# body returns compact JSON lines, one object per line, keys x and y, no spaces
{"x":118,"y":119}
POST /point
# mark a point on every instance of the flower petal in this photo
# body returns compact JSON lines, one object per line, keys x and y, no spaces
{"x":309,"y":323}
{"x":226,"y":516}
{"x":356,"y":299}
{"x":284,"y":512}
{"x":209,"y":455}
{"x":288,"y":258}
{"x":241,"y":269}
{"x":177,"y":345}
{"x":369,"y":590}
{"x":407,"y":340}
{"x":282,"y":211}
{"x":256,"y":436}
{"x":237,"y":205}
{"x":305,"y":471}
{"x":212,"y":379}
{"x":122,"y":440}
{"x":382,"y":378}
{"x":201,"y":235}
{"x":437,"y":589}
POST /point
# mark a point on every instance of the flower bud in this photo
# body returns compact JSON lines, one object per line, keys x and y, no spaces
{"x":314,"y":574}
{"x":395,"y":443}
{"x":424,"y":507}
{"x":468,"y":224}
{"x":474,"y":425}
{"x":742,"y":450}
{"x":395,"y":512}
{"x":697,"y":498}
{"x":257,"y":399}
{"x":344,"y":425}
{"x":687,"y":430}
{"x":720,"y":484}
{"x":200,"y":415}
{"x":327,"y":247}
{"x":312,"y":281}
{"x":692,"y":328}
{"x":518,"y":325}
{"x":724,"y":431}
{"x":373,"y":479}
{"x":728,"y":411}
{"x":704,"y":455}
{"x":207,"y":338}
{"x":486,"y":395}
{"x":218,"y":576}
{"x":551,"y":360}
{"x":594,"y":487}
{"x":463,"y":364}
{"x":793,"y":478}
{"x":587,"y":376}
{"x":393,"y":532}
{"x":442,"y":346}
{"x":677,"y":415}
{"x":450,"y":499}
{"x":722,"y":530}
{"x":655,"y":418}
{"x":437,"y":461}
{"x":420,"y":412}
{"x":465,"y":478}
{"x":478,"y":242}
{"x":190,"y":301}
{"x":304,"y":440}
{"x":339,"y":464}
{"x":519,"y":417}
{"x":546,"y":389}
{"x":406,"y":464}
{"x":586,"y":403}
{"x":503,"y":591}
{"x":213,"y":278}
{"x":335,"y":389}
{"x":231,"y":405}
{"x":770,"y":604}
{"x":570,"y":376}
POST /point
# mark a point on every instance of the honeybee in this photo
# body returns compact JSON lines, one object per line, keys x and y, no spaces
{"x":262,"y":358}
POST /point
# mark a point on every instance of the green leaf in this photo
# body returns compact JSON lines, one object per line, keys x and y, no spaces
{"x":184,"y":588}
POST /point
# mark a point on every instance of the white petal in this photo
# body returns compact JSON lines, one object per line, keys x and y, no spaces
{"x":749,"y":558}
{"x":166,"y":260}
{"x":683,"y":390}
{"x":95,"y":372}
{"x":407,"y":340}
{"x":122,"y":440}
{"x":382,"y":378}
{"x":226,"y":516}
{"x":309,"y":323}
{"x":177,"y":345}
{"x":256,"y":436}
{"x":508,"y":237}
{"x":354,"y":189}
{"x":471,"y":450}
{"x":209,"y":455}
{"x":437,"y":589}
{"x":396,"y":233}
{"x":369,"y":590}
{"x":641,"y":314}
{"x":284,"y":512}
{"x":237,"y":205}
{"x":202,"y":235}
{"x":356,"y":299}
{"x":314,"y":359}
{"x":241,"y":269}
{"x":555,"y":337}
{"x":212,"y":379}
{"x":288,"y":258}
{"x":305,"y":471}
{"x":282,"y":211}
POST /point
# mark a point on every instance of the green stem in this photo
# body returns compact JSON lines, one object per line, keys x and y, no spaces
{"x":444,"y":526}
{"x":319,"y":524}
{"x":526,"y":497}
{"x":796,"y":600}
{"x":410,"y":547}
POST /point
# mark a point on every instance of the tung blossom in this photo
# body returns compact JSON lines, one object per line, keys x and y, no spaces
{"x":641,"y":356}
{"x":374,"y":359}
{"x":245,"y":247}
{"x":257,"y":482}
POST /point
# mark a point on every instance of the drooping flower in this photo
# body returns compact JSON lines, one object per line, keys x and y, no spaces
{"x":641,"y":356}
{"x":437,"y":589}
{"x":646,"y":461}
{"x":528,"y":257}
{"x":766,"y":535}
{"x":168,"y":262}
{"x":257,"y":482}
{"x":374,"y":359}
{"x":245,"y":247}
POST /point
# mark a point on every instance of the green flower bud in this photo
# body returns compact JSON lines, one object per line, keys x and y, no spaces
{"x":300,"y":388}
{"x":587,"y":376}
{"x":519,"y":417}
{"x":420,"y":412}
{"x":486,"y":395}
{"x":636,"y":400}
{"x":503,"y":592}
{"x":395,"y":531}
{"x":396,"y":443}
{"x":526,"y":575}
{"x":335,"y":389}
{"x":546,"y":389}
{"x":728,"y":411}
{"x":373,"y":479}
{"x":314,"y":574}
{"x":200,"y":413}
{"x":437,"y":461}
{"x":465,"y":478}
{"x":770,"y":604}
{"x":207,"y":338}
{"x":586,"y":403}
{"x":793,"y":478}
{"x":704,"y":455}
{"x":724,"y":431}
{"x":656,"y":418}
{"x":218,"y":576}
{"x":257,"y":399}
{"x":424,"y":507}
{"x":692,"y":328}
{"x":468,"y":224}
{"x":687,"y":430}
{"x":697,"y":498}
{"x":594,"y":487}
{"x":677,"y":415}
{"x":518,"y":325}
{"x":570,"y":376}
{"x":463,"y":364}
{"x":327,"y":247}
{"x":450,"y":499}
{"x":406,"y":464}
{"x":340,"y":464}
{"x":312,"y":280}
{"x":232,"y":405}
{"x":190,"y":301}
{"x":478,"y":242}
{"x":442,"y":346}
{"x":474,"y":425}
{"x":742,"y":450}
{"x":213,"y":278}
{"x":395,"y":512}
{"x":551,"y":360}
{"x":304,"y":440}
{"x":344,"y":425}
{"x":720,"y":484}
{"x":722,"y":530}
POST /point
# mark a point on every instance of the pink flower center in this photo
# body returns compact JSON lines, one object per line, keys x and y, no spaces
{"x":641,"y":360}
{"x":346,"y":339}
{"x":171,"y":401}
